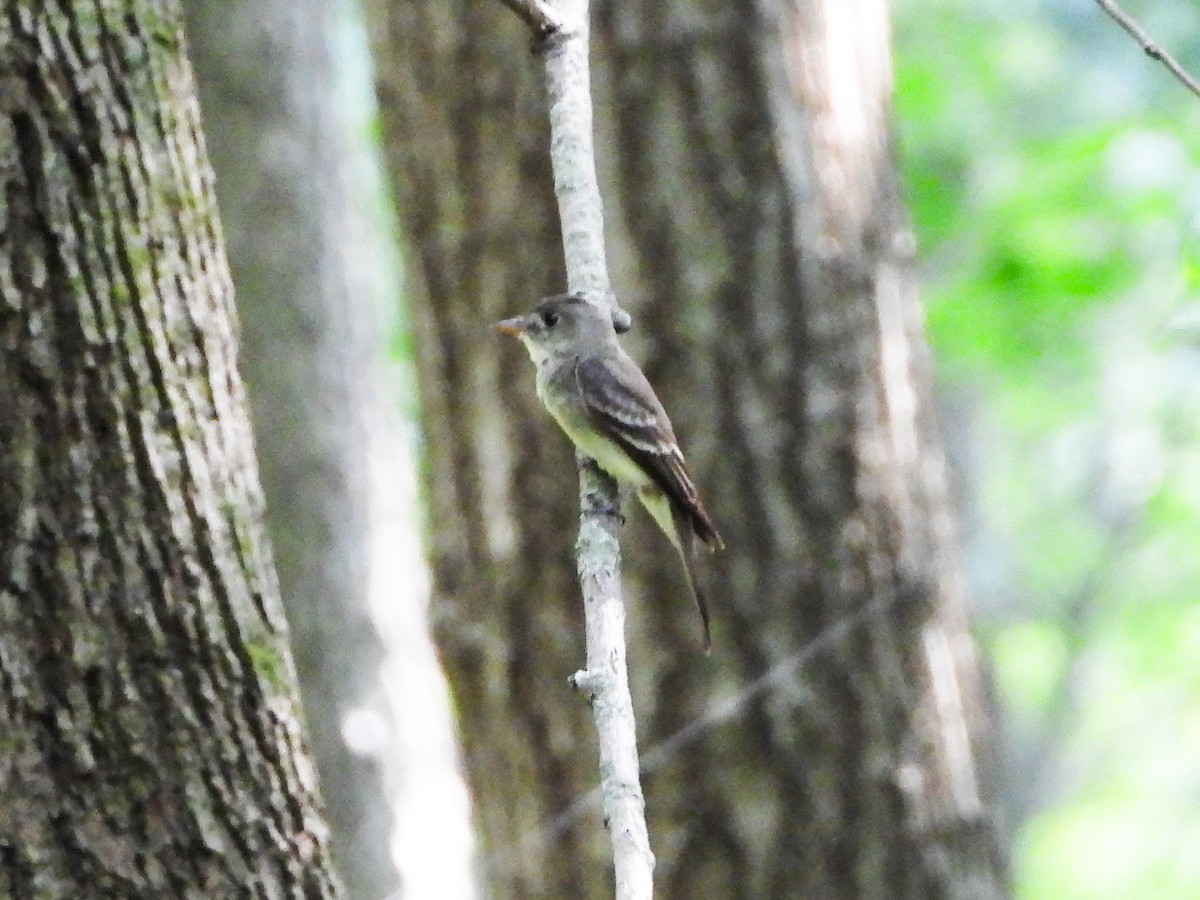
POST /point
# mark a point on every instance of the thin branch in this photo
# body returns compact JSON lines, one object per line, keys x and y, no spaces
{"x":1152,"y":49}
{"x":561,"y":29}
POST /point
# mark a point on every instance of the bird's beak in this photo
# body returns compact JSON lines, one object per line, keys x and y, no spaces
{"x":515,"y":326}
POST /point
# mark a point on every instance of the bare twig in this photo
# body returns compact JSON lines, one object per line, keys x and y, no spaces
{"x":562,"y":33}
{"x":1152,"y":49}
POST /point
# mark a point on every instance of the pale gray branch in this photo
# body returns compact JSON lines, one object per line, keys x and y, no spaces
{"x":563,"y":29}
{"x":1148,"y":44}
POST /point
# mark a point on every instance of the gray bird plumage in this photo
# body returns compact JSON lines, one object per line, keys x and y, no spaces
{"x":604,"y":403}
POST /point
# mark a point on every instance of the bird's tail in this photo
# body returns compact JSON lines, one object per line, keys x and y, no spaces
{"x":686,"y":545}
{"x":703,"y":525}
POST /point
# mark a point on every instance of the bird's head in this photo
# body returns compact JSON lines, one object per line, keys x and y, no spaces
{"x":561,"y":324}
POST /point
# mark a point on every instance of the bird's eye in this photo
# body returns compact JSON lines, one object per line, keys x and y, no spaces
{"x":550,"y":318}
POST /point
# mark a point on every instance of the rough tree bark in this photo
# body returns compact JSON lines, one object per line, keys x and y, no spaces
{"x":279,"y":141}
{"x":150,"y":727}
{"x":759,"y":239}
{"x":754,"y":159}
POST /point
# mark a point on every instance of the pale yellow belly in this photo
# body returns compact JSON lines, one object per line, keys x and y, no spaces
{"x":613,"y":460}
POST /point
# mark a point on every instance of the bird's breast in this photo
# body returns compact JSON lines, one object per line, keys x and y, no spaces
{"x":563,"y":402}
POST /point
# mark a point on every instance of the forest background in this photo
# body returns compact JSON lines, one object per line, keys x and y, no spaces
{"x":1051,"y":172}
{"x":1049,"y":168}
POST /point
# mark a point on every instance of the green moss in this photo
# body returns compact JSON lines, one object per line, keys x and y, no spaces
{"x":268,"y":663}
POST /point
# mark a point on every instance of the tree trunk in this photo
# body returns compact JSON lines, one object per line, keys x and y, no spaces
{"x":758,"y":238}
{"x":149,"y":719}
{"x":778,"y":204}
{"x":311,"y":348}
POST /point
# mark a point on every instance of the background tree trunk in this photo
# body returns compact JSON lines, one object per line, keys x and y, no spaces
{"x":150,"y":724}
{"x":758,"y":237}
{"x":277,"y":128}
{"x":754,"y":160}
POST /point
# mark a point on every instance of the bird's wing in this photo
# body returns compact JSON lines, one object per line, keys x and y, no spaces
{"x":621,"y":403}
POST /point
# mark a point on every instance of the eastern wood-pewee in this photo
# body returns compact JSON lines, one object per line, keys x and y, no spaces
{"x":607,"y":408}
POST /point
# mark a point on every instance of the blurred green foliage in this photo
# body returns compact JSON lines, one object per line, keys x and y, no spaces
{"x":1054,"y":180}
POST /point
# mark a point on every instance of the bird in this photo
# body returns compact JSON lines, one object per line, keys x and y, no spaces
{"x":603,"y":402}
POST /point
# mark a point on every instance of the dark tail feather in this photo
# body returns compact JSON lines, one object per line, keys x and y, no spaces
{"x":687,"y":555}
{"x":703,"y":525}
